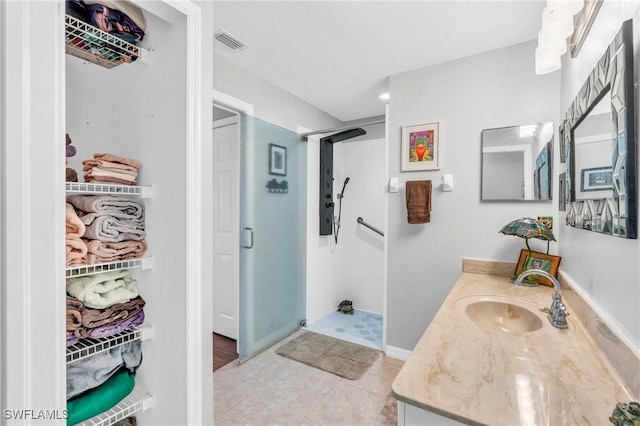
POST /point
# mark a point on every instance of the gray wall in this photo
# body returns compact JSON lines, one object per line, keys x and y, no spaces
{"x":605,"y":268}
{"x":490,"y":90}
{"x":271,"y":103}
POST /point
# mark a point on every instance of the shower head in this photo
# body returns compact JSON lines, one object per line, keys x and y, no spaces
{"x":347,"y":134}
{"x":344,"y":185}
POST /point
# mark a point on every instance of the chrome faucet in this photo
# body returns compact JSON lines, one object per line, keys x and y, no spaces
{"x":557,"y":311}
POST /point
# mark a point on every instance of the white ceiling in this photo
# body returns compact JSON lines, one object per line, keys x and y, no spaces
{"x":337,"y":55}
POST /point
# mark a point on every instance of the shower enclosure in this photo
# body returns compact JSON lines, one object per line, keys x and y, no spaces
{"x":273,"y":179}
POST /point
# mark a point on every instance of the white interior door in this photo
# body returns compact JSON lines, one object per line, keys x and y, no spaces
{"x":226,"y":228}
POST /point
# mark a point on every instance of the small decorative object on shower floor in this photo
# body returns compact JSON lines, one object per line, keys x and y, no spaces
{"x":626,"y":414}
{"x":526,"y":228}
{"x":346,"y":307}
{"x":420,"y":147}
{"x":277,"y":160}
{"x":278,"y":187}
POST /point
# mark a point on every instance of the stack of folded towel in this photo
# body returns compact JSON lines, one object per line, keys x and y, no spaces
{"x":83,"y":322}
{"x":76,"y":248}
{"x":102,"y":398}
{"x":102,"y":290}
{"x":70,"y":151}
{"x":114,"y":227}
{"x":102,"y":305}
{"x":89,"y":373}
{"x":115,"y":17}
{"x":110,"y":168}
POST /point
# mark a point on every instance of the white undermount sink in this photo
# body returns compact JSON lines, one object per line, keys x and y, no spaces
{"x":500,"y":315}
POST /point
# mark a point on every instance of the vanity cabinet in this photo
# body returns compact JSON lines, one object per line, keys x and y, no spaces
{"x":472,"y":368}
{"x":410,"y":415}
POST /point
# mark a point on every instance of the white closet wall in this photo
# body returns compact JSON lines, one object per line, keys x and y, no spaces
{"x":143,"y":110}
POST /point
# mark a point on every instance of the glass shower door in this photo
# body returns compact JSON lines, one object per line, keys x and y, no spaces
{"x":272,"y":234}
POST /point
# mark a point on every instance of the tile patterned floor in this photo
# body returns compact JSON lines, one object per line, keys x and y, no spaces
{"x":361,"y":327}
{"x":270,"y":390}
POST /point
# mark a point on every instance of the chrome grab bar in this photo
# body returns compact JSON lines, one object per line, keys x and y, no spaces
{"x":374,"y":229}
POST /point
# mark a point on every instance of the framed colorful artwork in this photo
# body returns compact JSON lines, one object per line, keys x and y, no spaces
{"x":546,"y":262}
{"x":421,"y":147}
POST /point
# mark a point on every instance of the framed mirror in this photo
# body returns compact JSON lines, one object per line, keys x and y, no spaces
{"x":517,"y":163}
{"x":599,"y":137}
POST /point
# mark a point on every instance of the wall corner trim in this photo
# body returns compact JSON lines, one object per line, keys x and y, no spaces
{"x":397,"y":353}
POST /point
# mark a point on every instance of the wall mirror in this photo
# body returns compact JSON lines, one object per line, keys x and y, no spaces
{"x":600,"y":144}
{"x":517,"y":163}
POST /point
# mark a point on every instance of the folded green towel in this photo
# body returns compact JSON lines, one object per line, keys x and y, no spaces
{"x":100,"y":399}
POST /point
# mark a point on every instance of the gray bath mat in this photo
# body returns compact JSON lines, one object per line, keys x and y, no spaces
{"x":335,"y":356}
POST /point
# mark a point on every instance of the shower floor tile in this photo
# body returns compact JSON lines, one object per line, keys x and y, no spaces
{"x":363,"y":327}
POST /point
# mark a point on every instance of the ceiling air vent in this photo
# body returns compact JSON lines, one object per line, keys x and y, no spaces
{"x":230,"y":41}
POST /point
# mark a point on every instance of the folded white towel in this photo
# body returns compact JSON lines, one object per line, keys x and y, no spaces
{"x":96,"y":172}
{"x":102,"y":290}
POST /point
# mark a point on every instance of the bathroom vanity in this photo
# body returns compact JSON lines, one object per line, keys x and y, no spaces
{"x":490,"y":356}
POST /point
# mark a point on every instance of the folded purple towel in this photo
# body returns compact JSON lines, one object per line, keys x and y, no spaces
{"x":116,"y":327}
{"x":72,"y":340}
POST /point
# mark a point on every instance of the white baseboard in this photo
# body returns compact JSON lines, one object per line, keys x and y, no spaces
{"x":397,"y":353}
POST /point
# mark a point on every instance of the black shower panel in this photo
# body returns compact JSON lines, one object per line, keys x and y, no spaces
{"x":326,"y":187}
{"x":326,"y":203}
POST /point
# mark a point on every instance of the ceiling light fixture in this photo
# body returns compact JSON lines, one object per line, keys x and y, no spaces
{"x":557,"y":25}
{"x":385,"y":96}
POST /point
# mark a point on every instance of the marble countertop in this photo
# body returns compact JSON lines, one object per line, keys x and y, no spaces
{"x":474,"y":375}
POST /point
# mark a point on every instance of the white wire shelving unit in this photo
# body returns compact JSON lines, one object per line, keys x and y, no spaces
{"x":136,"y":402}
{"x":83,"y":270}
{"x":101,"y":48}
{"x":89,"y":347}
{"x":105,"y":188}
{"x":96,"y":46}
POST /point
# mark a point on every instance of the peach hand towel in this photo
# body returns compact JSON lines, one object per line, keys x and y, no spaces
{"x":117,"y":159}
{"x":75,"y":226}
{"x":76,"y":251}
{"x":104,"y":251}
{"x":418,"y":195}
{"x":108,"y":180}
{"x":99,"y":173}
{"x":91,"y":163}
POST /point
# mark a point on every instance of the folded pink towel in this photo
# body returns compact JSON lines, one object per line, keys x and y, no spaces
{"x":89,"y":164}
{"x":105,"y":251}
{"x":75,"y":227}
{"x":76,"y":251}
{"x":108,"y":180}
{"x":117,"y":159}
{"x":100,"y":173}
